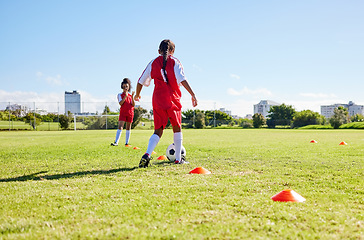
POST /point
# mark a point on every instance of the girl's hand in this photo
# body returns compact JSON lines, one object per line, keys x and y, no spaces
{"x":133,"y":93}
{"x":194,"y":101}
{"x":137,"y":98}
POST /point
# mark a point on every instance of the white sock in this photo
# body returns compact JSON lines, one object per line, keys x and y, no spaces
{"x":127,"y":136}
{"x":153,"y":141}
{"x":118,"y":133}
{"x":178,"y":138}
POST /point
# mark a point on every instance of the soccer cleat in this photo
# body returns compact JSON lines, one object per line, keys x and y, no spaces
{"x":114,"y":144}
{"x":127,"y":145}
{"x":182,"y":161}
{"x":144,"y":162}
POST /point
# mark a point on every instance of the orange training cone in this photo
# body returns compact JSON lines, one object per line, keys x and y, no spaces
{"x":136,"y":148}
{"x":288,"y":195}
{"x":313,"y":141}
{"x":200,"y":170}
{"x":154,"y":152}
{"x":343,"y":143}
{"x":162,"y":157}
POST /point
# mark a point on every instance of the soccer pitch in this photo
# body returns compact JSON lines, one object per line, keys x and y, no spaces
{"x":74,"y":185}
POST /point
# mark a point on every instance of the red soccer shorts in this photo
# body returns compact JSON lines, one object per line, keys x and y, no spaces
{"x":126,"y":118}
{"x":161,"y":118}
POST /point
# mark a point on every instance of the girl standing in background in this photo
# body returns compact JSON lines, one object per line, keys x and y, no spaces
{"x":126,"y":115}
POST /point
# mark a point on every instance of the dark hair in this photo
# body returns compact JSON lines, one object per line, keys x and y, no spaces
{"x":126,"y":81}
{"x":165,"y":47}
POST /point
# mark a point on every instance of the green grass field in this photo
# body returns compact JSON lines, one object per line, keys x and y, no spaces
{"x":74,"y":185}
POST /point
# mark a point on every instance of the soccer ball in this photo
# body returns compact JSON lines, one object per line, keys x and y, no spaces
{"x":171,"y":150}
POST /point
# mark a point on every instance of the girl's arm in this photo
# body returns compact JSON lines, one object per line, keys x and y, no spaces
{"x":189,"y":89}
{"x":138,"y":90}
{"x":132,"y":99}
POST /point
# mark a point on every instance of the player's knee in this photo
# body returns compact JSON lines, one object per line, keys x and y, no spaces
{"x":177,"y":129}
{"x":159,"y":132}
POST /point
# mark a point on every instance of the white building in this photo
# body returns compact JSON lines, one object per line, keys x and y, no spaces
{"x":72,"y":101}
{"x":249,"y":116}
{"x":18,"y":110}
{"x":228,"y":112}
{"x":264,"y":106}
{"x":353,"y":109}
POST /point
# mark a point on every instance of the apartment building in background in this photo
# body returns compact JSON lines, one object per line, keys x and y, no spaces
{"x":264,"y":106}
{"x":72,"y":101}
{"x":353,"y":109}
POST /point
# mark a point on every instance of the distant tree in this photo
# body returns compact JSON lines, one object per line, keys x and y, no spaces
{"x":138,"y":113}
{"x":220,"y":117}
{"x":46,"y":118}
{"x":105,"y":122}
{"x":65,"y":120}
{"x":33,"y":119}
{"x":50,"y":117}
{"x":306,"y":117}
{"x":280,"y":115}
{"x":92,"y":122}
{"x":340,"y":117}
{"x":190,"y":117}
{"x":112,"y":122}
{"x":357,"y":118}
{"x":245,"y":123}
{"x":258,"y":120}
{"x":106,"y":110}
{"x":4,"y":115}
{"x":200,"y":120}
{"x":323,"y":119}
{"x":233,"y":122}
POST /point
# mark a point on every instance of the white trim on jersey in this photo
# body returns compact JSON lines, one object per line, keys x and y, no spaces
{"x":178,"y":71}
{"x":119,"y":97}
{"x":146,"y":78}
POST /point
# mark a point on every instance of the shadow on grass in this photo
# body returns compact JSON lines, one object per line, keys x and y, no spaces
{"x":36,"y":177}
{"x":163,"y":163}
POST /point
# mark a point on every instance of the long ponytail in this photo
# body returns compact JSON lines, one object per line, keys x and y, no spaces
{"x":165,"y":47}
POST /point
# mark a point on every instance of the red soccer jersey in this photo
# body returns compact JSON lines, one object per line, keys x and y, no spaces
{"x":166,"y":95}
{"x":127,"y":109}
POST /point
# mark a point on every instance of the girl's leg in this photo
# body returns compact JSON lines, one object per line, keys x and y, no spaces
{"x":127,"y":132}
{"x":153,"y":140}
{"x":178,"y":139}
{"x":118,"y":133}
{"x":159,"y":119}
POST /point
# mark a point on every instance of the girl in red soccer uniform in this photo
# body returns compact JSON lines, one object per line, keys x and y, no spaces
{"x":126,"y":115}
{"x":168,"y":75}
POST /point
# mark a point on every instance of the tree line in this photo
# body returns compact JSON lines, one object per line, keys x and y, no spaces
{"x":65,"y":120}
{"x":286,"y":115}
{"x":279,"y":116}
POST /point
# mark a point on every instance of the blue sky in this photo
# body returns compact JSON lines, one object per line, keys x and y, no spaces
{"x":234,"y":53}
